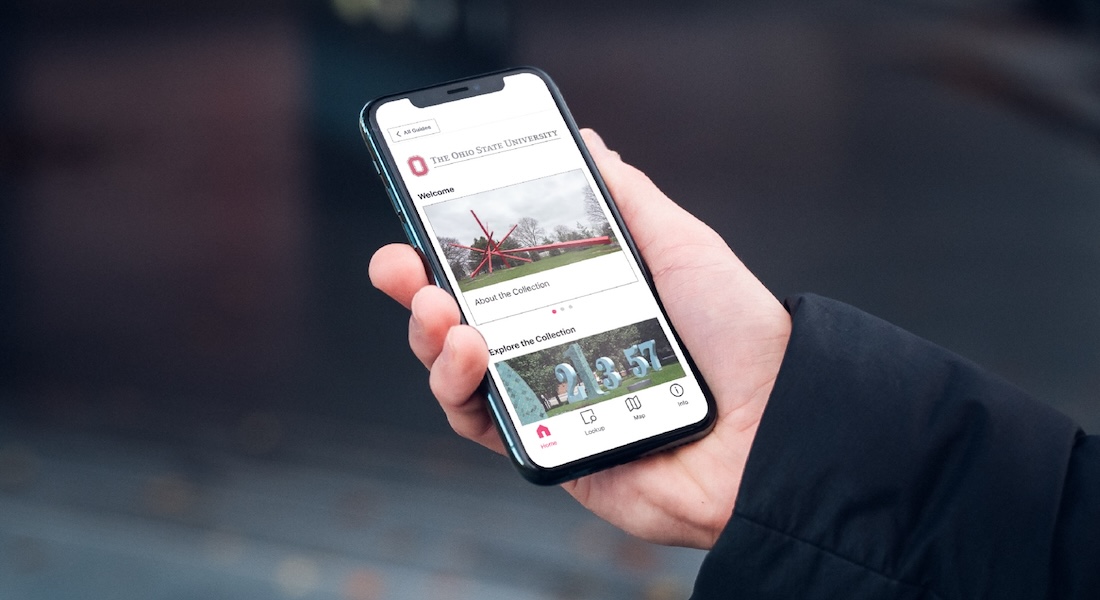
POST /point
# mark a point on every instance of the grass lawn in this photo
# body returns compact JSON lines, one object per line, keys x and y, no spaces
{"x":666,"y":374}
{"x":550,"y":262}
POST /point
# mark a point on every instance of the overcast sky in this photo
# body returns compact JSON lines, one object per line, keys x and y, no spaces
{"x":555,"y":200}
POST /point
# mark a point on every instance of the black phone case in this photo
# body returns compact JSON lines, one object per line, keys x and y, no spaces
{"x":414,"y":230}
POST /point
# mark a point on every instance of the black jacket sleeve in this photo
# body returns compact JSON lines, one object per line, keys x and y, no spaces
{"x":887,"y":467}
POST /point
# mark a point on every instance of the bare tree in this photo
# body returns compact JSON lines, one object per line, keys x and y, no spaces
{"x":457,"y":257}
{"x":529,"y":233}
{"x":594,"y":211}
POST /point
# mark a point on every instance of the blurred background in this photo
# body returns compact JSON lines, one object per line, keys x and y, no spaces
{"x":201,"y":396}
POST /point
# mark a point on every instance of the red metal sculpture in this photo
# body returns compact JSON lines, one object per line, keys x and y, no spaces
{"x":492,"y":248}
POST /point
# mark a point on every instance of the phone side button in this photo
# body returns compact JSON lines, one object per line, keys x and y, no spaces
{"x":376,"y":169}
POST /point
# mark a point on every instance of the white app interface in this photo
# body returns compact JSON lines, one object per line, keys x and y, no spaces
{"x":578,"y":345}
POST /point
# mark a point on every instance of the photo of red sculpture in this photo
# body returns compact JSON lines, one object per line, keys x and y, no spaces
{"x":493,"y":248}
{"x":522,"y":229}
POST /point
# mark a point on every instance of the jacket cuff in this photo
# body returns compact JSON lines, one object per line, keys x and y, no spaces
{"x":886,"y":466}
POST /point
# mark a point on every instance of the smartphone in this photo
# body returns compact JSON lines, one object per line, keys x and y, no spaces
{"x":491,"y":181}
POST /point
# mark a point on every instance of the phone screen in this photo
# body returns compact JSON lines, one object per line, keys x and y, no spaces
{"x":579,"y":347}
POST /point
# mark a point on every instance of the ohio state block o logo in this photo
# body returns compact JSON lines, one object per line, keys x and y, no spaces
{"x":418,"y":166}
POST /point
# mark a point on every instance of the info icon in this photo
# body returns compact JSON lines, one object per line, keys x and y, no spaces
{"x":418,"y":166}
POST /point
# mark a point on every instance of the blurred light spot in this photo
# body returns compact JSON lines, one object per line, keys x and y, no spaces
{"x":296,"y":576}
{"x":664,"y":589}
{"x":27,"y":555}
{"x":354,"y":12}
{"x":17,"y":467}
{"x":393,"y":15}
{"x":169,"y":495}
{"x":260,"y":433}
{"x":436,"y":19}
{"x":364,"y":584}
{"x":225,"y":548}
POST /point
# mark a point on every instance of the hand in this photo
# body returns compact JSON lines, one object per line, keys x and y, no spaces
{"x":734,"y":328}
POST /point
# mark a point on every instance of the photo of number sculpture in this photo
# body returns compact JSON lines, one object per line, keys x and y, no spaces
{"x":605,"y":368}
{"x":565,"y":377}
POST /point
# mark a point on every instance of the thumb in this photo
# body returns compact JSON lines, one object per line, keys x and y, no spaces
{"x":682,"y":252}
{"x":657,"y":224}
{"x":720,"y":309}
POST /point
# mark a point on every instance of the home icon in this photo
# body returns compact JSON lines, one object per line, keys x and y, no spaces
{"x":543,"y":431}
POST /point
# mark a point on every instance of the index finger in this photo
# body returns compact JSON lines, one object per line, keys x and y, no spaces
{"x":398,"y":271}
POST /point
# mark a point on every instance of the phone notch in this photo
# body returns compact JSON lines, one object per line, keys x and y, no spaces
{"x":449,"y":93}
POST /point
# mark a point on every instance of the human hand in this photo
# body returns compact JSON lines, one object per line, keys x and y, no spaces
{"x":735,"y":329}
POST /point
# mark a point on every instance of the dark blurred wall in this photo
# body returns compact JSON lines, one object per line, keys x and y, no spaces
{"x":190,"y":220}
{"x":161,"y":234}
{"x":935,"y":163}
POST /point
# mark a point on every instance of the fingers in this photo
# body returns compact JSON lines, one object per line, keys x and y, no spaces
{"x":708,"y":293}
{"x":649,"y":213}
{"x":456,"y":354}
{"x":456,"y":375}
{"x":434,"y":313}
{"x":396,"y":270}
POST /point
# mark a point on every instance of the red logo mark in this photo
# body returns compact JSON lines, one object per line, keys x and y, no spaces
{"x":418,"y":166}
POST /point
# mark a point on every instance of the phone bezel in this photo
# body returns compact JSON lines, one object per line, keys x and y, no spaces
{"x":414,"y":230}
